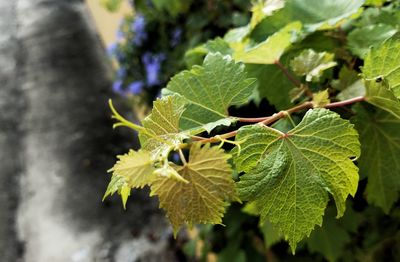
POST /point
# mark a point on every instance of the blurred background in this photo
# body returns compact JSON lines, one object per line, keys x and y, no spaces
{"x":60,"y":61}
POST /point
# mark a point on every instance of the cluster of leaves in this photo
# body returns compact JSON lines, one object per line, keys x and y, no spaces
{"x":330,"y":70}
{"x":152,"y":40}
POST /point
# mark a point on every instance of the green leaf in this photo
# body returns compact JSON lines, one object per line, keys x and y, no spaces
{"x":269,"y":51}
{"x":329,"y":240}
{"x":313,"y":14}
{"x":321,"y":98}
{"x":347,"y":77}
{"x":270,"y":234}
{"x":381,"y":72}
{"x":132,"y":170}
{"x":264,"y":8}
{"x":380,"y":146}
{"x":375,"y":2}
{"x":272,"y":84}
{"x":210,"y":90}
{"x":360,"y":40}
{"x":379,"y":94}
{"x":289,"y":176}
{"x":162,"y":134}
{"x":312,"y":64}
{"x":204,"y":198}
{"x":353,"y":90}
{"x":384,"y":62}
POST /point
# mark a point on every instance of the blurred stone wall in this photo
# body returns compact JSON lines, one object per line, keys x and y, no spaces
{"x":56,"y":144}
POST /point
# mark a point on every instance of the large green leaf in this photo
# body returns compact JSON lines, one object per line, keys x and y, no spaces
{"x":272,"y":84}
{"x":360,"y":40}
{"x":384,"y":62}
{"x":379,"y":94}
{"x":269,"y":51}
{"x":264,"y":8}
{"x":380,"y":146}
{"x":313,"y":14}
{"x":210,"y":90}
{"x":289,"y":176}
{"x":204,"y":198}
{"x":381,"y":72}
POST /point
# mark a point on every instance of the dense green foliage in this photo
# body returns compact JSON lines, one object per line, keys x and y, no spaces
{"x":315,"y":161}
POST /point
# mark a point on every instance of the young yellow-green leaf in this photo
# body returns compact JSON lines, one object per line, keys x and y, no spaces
{"x":210,"y":90}
{"x":379,"y":161}
{"x":321,"y":98}
{"x":289,"y":176}
{"x":312,"y":64}
{"x":163,"y":126}
{"x":204,"y":198}
{"x":360,"y":40}
{"x":269,"y":51}
{"x":132,"y":170}
{"x":136,"y":167}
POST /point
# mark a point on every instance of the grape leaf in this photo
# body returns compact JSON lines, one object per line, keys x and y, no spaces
{"x":380,"y":146}
{"x":384,"y":62}
{"x":273,"y":84}
{"x":347,"y":77}
{"x":321,"y":98}
{"x":313,"y":14}
{"x":162,"y":127}
{"x":264,"y":8}
{"x":270,"y":50}
{"x":360,"y":40}
{"x":379,"y":94}
{"x":353,"y":90}
{"x":381,"y":73}
{"x":288,"y":176}
{"x":210,"y":90}
{"x":271,"y":235}
{"x":312,"y":64}
{"x":136,"y":167}
{"x":203,"y":199}
{"x":132,"y":170}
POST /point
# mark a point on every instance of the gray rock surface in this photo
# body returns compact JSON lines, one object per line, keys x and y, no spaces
{"x":56,"y":144}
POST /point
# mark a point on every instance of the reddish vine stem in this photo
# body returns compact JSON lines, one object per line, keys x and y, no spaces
{"x":292,"y":78}
{"x":286,"y":72}
{"x":275,"y":117}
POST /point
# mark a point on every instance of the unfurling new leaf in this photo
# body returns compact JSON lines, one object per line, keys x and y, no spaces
{"x":209,"y":189}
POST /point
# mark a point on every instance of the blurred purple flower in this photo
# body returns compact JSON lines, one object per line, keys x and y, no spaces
{"x":152,"y":64}
{"x":139,"y":29}
{"x":121,"y":72}
{"x":111,"y":49}
{"x":176,"y":37}
{"x":135,"y":87}
{"x":117,"y":87}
